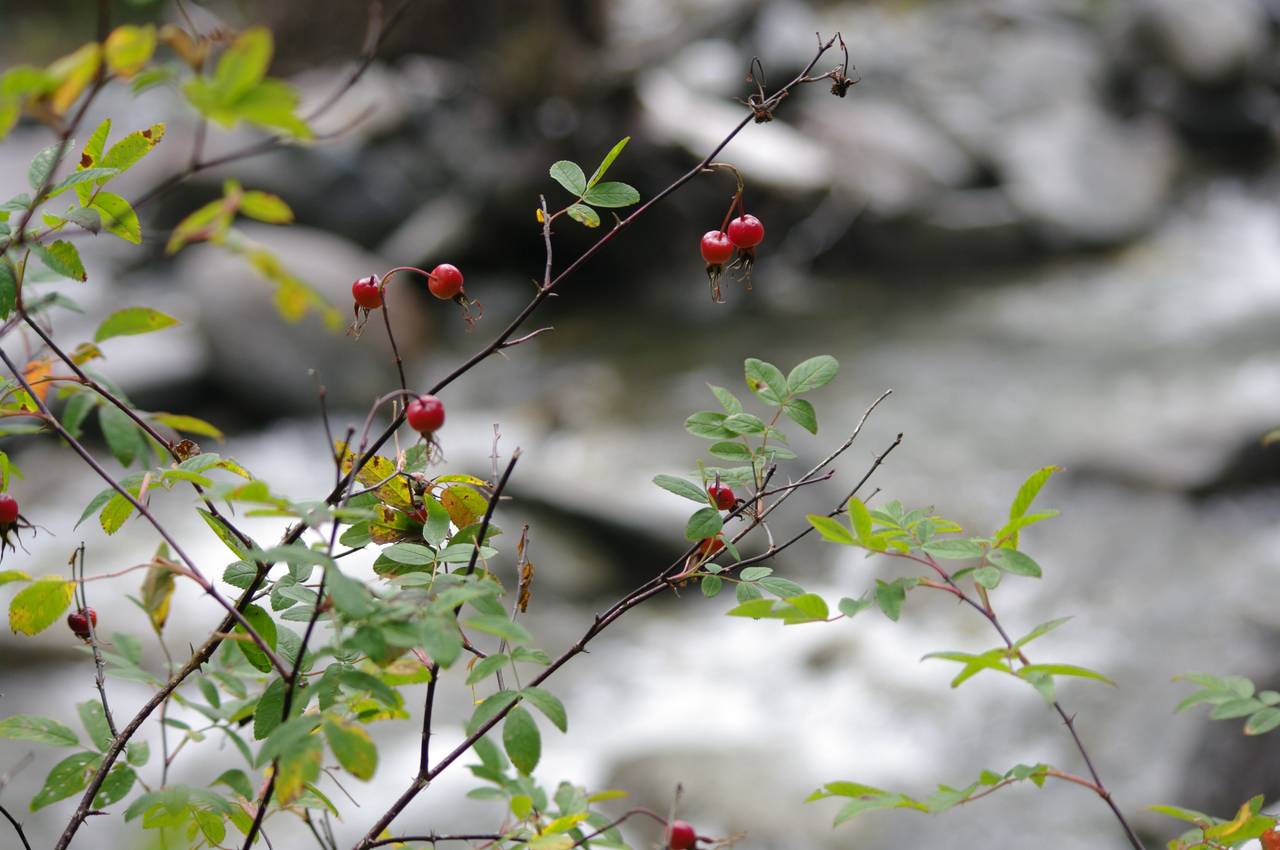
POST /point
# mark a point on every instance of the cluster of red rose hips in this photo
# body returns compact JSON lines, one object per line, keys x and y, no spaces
{"x":742,"y":235}
{"x":444,"y":282}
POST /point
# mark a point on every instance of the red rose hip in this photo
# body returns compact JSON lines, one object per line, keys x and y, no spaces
{"x":746,"y":231}
{"x":425,"y":414}
{"x":723,"y":496}
{"x":79,"y":621}
{"x":716,"y":247}
{"x":445,"y":281}
{"x":710,"y":545}
{"x":680,"y":835}
{"x":367,"y":293}
{"x":8,"y":509}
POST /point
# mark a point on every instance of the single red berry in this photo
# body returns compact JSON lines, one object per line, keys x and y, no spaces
{"x":680,"y":835}
{"x":746,"y":231}
{"x":445,"y":282}
{"x":716,"y":247}
{"x":78,"y":621}
{"x":367,"y":292}
{"x":710,"y":546}
{"x":8,"y":509}
{"x":1270,"y":840}
{"x":425,"y":414}
{"x":723,"y":496}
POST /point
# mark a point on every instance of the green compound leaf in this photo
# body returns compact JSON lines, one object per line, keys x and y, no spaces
{"x":569,"y":175}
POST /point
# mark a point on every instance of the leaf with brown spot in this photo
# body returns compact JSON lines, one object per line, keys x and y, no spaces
{"x":464,"y":505}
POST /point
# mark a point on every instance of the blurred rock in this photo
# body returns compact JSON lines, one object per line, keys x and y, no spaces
{"x":1205,"y":43}
{"x":1086,"y":177}
{"x":261,"y":360}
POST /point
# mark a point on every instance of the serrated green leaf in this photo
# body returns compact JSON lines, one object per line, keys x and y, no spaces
{"x":765,"y":380}
{"x":264,"y":206}
{"x":548,"y":704}
{"x":521,"y":740}
{"x":66,"y":778}
{"x":118,"y":217}
{"x":1015,"y":562}
{"x":132,"y":321}
{"x":353,"y":748}
{"x":681,"y":487}
{"x":612,"y":195}
{"x":812,"y":373}
{"x":29,"y":727}
{"x":802,"y":413}
{"x":95,"y":723}
{"x":703,"y":524}
{"x":61,"y":257}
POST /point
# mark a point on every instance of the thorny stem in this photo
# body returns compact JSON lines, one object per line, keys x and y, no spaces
{"x":191,"y":569}
{"x":99,"y":666}
{"x":1069,"y":720}
{"x":16,"y":826}
{"x":654,"y":587}
{"x":547,"y":289}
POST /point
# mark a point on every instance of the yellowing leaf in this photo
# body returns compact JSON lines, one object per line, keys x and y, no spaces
{"x":73,"y":74}
{"x":36,"y":372}
{"x":39,"y":604}
{"x":129,"y":48}
{"x":464,"y":505}
{"x":157,"y":590}
{"x":353,"y":747}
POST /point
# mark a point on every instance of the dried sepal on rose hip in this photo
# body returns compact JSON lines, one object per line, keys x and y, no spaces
{"x":745,"y":232}
{"x":80,"y":620}
{"x":717,"y":250}
{"x":366,"y":293}
{"x":445,"y":283}
{"x":11,"y":521}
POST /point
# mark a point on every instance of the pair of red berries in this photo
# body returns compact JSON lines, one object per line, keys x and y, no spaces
{"x":744,"y":233}
{"x":445,"y":283}
{"x":79,"y":621}
{"x":681,"y":836}
{"x":425,"y":414}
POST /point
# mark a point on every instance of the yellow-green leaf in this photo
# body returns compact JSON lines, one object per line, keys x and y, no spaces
{"x":265,"y":207}
{"x":126,"y":153}
{"x":129,"y":48}
{"x":189,"y":424}
{"x":39,"y":604}
{"x":352,"y":747}
{"x":157,"y":591}
{"x":132,"y":321}
{"x":118,"y":217}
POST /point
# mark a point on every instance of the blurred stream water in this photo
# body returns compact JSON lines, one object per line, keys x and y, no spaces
{"x":1141,"y":371}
